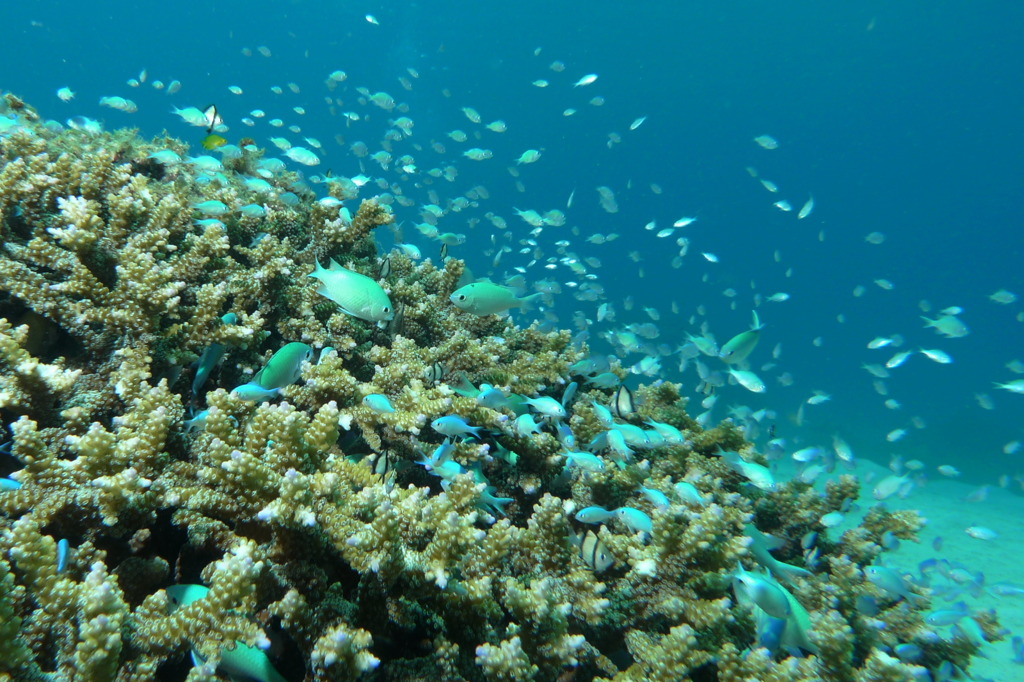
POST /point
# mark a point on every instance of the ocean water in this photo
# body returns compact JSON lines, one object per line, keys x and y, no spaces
{"x":901,"y":119}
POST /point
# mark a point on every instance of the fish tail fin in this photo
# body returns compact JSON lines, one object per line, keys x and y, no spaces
{"x":526,"y":302}
{"x":466,"y":387}
{"x":757,"y":325}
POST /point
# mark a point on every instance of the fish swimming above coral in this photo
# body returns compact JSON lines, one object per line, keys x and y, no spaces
{"x":356,"y":294}
{"x":487,"y":298}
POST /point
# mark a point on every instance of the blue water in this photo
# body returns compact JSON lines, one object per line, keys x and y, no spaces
{"x":896,"y":118}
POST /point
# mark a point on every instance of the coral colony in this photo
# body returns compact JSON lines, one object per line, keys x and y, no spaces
{"x":219,"y":466}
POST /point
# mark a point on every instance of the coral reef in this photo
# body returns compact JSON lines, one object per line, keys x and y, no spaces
{"x":333,"y":543}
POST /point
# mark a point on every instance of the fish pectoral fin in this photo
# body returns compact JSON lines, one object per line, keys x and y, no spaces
{"x":324,"y":291}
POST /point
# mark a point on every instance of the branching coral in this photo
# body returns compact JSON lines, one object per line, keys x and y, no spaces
{"x":332,"y":543}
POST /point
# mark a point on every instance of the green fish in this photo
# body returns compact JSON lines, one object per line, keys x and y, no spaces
{"x":244,"y":662}
{"x":759,"y":549}
{"x":740,"y":346}
{"x":763,"y":591}
{"x":358,"y":295}
{"x":487,"y":298}
{"x":285,"y":366}
{"x":213,"y":140}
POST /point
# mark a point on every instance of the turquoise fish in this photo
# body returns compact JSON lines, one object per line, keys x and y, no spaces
{"x":285,"y":366}
{"x":488,"y":298}
{"x":358,"y":295}
{"x":242,"y":662}
{"x":736,"y":350}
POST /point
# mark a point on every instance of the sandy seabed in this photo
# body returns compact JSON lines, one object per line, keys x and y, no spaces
{"x":943,"y":502}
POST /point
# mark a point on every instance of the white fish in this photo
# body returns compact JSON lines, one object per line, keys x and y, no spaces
{"x":477,"y":154}
{"x":192,"y":116}
{"x":948,"y":325}
{"x":778,"y":297}
{"x":938,"y":356}
{"x":879,"y":342}
{"x":806,"y":210}
{"x":891,"y":485}
{"x":758,"y":474}
{"x":875,"y":238}
{"x":529,"y":156}
{"x":766,"y":142}
{"x":981,"y":533}
{"x":818,"y":398}
{"x":372,"y":20}
{"x":684,"y":221}
{"x":832,"y":519}
{"x":637,"y":123}
{"x":877,"y":371}
{"x":898,"y":359}
{"x":487,"y":298}
{"x":895,"y":435}
{"x":1002,"y":296}
{"x":843,"y":449}
{"x":547,"y":406}
{"x":710,"y":256}
{"x":747,"y":380}
{"x":281,"y":143}
{"x":585,"y":80}
{"x":303,"y":156}
{"x":808,"y":454}
{"x":1015,"y":386}
{"x":120,"y":103}
{"x":65,"y":94}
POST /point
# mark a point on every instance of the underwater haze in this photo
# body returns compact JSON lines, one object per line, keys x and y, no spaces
{"x":897,"y":120}
{"x":845,"y":172}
